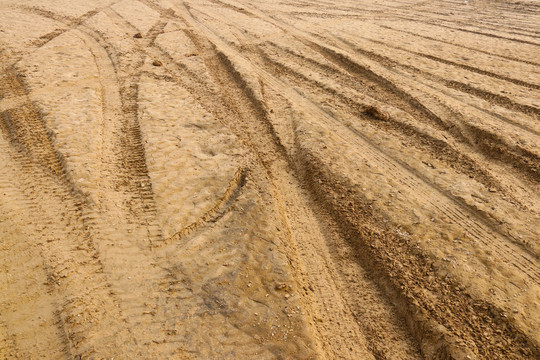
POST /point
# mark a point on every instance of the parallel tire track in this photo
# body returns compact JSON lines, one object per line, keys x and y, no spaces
{"x":389,"y":259}
{"x":457,"y":215}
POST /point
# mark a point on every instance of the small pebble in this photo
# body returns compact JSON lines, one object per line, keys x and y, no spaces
{"x":281,"y":286}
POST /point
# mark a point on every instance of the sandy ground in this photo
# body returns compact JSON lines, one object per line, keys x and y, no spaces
{"x":233,"y":179}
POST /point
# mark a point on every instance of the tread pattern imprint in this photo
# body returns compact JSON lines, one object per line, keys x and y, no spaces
{"x":229,"y":179}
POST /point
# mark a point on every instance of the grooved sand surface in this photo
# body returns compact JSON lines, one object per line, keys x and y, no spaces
{"x":229,"y":179}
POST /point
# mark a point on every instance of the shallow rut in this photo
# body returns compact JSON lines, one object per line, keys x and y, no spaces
{"x":368,"y":191}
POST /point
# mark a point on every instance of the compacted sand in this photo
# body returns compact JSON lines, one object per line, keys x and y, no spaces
{"x":234,"y":179}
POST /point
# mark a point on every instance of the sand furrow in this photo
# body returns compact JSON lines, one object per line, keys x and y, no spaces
{"x":224,"y":179}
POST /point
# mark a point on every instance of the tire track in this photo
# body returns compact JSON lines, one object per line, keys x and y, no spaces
{"x":318,"y":120}
{"x":29,"y":297}
{"x":70,"y":23}
{"x":131,"y":145}
{"x":125,"y":170}
{"x":371,"y":113}
{"x":389,"y":259}
{"x":224,"y":69}
{"x":222,"y":206}
{"x":352,"y":344}
{"x":473,"y":69}
{"x":521,"y":159}
{"x":505,"y":29}
{"x":26,"y":129}
{"x":346,"y":62}
{"x":422,"y":36}
{"x":133,"y":164}
{"x":294,"y":94}
{"x":379,"y":156}
{"x":78,"y":313}
{"x":131,"y":254}
{"x":296,"y":98}
{"x":390,"y":64}
{"x":489,"y":35}
{"x":81,"y":343}
{"x":458,"y":85}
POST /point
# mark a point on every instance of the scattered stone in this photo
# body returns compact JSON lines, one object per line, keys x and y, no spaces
{"x":281,"y":286}
{"x":376,"y":113}
{"x":157,"y":63}
{"x":138,"y":36}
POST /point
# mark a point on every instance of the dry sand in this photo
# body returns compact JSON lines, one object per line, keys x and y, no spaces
{"x":233,"y":179}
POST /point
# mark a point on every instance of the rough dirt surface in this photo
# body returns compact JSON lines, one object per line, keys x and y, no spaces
{"x":233,"y":179}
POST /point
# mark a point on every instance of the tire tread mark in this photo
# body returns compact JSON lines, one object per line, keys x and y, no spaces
{"x":222,"y":206}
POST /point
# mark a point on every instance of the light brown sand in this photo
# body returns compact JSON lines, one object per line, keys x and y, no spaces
{"x":228,"y":179}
